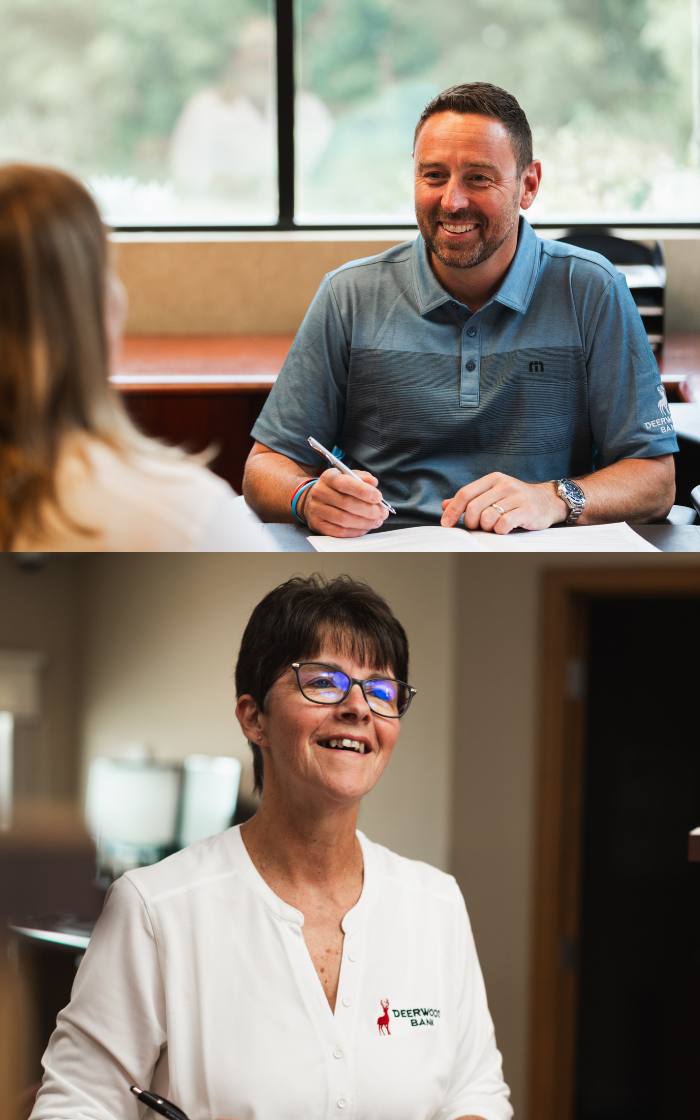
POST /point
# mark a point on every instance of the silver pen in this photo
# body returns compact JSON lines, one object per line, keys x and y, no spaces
{"x":338,"y":464}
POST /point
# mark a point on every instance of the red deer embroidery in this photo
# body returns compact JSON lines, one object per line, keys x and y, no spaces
{"x":383,"y":1020}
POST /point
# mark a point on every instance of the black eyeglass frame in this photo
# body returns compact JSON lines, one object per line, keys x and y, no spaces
{"x":297,"y":665}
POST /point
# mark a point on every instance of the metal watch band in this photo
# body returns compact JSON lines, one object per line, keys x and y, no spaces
{"x":568,"y":491}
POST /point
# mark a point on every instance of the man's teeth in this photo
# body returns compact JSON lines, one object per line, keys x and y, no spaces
{"x":458,"y":229}
{"x":348,"y":744}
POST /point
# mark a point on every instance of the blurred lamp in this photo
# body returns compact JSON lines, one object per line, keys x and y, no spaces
{"x":19,"y":700}
{"x":133,"y":802}
{"x":209,"y":796}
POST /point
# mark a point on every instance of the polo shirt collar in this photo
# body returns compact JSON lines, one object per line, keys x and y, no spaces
{"x":515,"y":291}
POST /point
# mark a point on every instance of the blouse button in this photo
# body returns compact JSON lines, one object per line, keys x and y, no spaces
{"x":347,"y":1001}
{"x":337,"y":1053}
{"x":342,"y":1102}
{"x":352,"y":956}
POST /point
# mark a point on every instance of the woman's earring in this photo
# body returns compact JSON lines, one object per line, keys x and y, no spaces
{"x":260,"y":738}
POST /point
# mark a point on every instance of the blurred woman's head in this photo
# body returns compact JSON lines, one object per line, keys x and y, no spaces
{"x":307,"y":618}
{"x":57,"y":299}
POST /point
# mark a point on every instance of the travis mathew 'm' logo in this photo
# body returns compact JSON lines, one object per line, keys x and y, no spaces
{"x":536,"y":367}
{"x":383,"y":1020}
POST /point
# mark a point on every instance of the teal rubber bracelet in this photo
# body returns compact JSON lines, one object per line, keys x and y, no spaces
{"x":296,"y":498}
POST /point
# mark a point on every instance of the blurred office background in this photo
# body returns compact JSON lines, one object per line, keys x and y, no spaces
{"x":550,"y":762}
{"x":169,"y":107}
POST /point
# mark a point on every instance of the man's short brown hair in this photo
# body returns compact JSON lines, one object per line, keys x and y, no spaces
{"x":485,"y":100}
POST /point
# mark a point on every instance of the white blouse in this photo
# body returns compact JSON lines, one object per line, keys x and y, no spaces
{"x":141,"y":502}
{"x":198,"y":984}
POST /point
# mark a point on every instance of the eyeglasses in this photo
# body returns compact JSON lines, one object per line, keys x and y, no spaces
{"x":324,"y":684}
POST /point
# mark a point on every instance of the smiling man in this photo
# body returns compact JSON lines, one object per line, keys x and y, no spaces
{"x":478,"y":370}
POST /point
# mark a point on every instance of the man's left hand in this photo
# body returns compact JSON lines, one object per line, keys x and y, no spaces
{"x":525,"y":505}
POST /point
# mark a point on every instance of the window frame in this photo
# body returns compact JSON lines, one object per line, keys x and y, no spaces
{"x":286,"y":89}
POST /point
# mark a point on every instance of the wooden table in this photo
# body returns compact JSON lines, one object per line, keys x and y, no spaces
{"x":200,"y":391}
{"x":208,"y":390}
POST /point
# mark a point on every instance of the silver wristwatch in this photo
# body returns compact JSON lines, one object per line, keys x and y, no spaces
{"x":574,"y":497}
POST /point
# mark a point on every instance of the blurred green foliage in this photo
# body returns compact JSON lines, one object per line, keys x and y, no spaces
{"x":613,"y":73}
{"x":97,"y":85}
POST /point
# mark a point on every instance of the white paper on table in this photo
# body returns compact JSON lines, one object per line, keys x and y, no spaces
{"x":617,"y":537}
{"x":424,"y":538}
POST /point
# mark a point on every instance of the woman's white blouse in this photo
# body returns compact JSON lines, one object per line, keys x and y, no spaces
{"x":198,"y":983}
{"x":143,"y":502}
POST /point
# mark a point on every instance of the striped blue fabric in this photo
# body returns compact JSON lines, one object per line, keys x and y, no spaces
{"x":553,"y":377}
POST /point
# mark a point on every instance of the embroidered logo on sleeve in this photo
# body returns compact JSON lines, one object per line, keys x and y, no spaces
{"x":664,"y":423}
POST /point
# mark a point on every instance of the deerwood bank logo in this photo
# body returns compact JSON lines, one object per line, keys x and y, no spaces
{"x":664,"y":422}
{"x":407,"y":1016}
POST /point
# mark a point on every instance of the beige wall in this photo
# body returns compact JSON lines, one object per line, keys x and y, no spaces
{"x":161,"y":638}
{"x":39,"y":611}
{"x":683,"y":284}
{"x":236,"y":285}
{"x":264,"y":283}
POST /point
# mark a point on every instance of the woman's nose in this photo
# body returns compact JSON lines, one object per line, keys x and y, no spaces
{"x":354,"y":705}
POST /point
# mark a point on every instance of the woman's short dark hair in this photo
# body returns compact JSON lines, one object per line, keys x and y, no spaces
{"x":486,"y":101}
{"x":293,"y":622}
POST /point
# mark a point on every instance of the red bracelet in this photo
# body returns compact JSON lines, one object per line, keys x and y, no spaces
{"x":302,"y":483}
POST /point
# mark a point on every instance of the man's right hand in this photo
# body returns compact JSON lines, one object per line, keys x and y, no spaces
{"x":341,"y":506}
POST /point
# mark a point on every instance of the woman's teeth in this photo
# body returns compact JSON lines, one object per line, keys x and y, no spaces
{"x":347,"y":744}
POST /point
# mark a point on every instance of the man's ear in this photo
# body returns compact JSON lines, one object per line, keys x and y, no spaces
{"x":530,"y":184}
{"x":248,"y":715}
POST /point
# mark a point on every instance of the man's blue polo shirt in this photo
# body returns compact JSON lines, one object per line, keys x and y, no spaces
{"x":552,"y":378}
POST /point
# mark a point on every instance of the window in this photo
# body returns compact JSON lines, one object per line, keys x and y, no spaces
{"x":169,"y":108}
{"x":166,"y":107}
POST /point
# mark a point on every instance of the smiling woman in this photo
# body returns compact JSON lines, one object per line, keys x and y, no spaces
{"x":290,"y":966}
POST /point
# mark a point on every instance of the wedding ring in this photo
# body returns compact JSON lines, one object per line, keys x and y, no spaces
{"x":497,"y":507}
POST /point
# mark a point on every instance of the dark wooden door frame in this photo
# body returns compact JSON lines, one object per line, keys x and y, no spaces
{"x":554,"y":971}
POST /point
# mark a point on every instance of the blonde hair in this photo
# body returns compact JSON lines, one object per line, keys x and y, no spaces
{"x":54,"y":353}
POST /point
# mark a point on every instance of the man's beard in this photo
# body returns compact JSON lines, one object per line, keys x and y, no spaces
{"x":490,"y":239}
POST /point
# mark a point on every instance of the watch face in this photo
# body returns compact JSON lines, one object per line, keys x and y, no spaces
{"x":572,"y":494}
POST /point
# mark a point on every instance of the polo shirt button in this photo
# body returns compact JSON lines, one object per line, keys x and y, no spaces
{"x":470,"y":366}
{"x":347,"y":1001}
{"x":352,"y":956}
{"x":454,"y":303}
{"x":342,"y":1102}
{"x":337,"y":1053}
{"x":471,"y":332}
